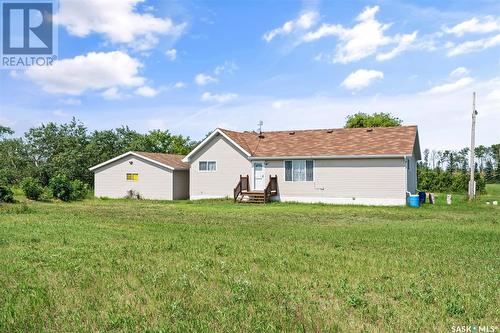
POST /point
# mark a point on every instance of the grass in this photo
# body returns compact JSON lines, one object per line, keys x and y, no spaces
{"x":118,"y":265}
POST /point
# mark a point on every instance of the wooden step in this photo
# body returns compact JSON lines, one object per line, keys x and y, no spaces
{"x":256,"y":193}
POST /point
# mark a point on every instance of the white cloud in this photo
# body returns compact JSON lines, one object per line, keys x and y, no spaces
{"x":450,"y":87}
{"x":60,"y":113}
{"x":405,"y":41}
{"x":157,"y":124}
{"x":71,"y":101}
{"x":281,"y":103}
{"x":450,"y":114}
{"x":304,"y":22}
{"x":459,"y":71}
{"x":13,"y":74}
{"x":204,"y":79}
{"x":117,"y":20}
{"x":228,"y":67}
{"x":146,"y":91}
{"x":474,"y":25}
{"x":219,"y":98}
{"x":179,"y":85}
{"x":361,"y":78}
{"x":112,"y":94}
{"x":474,"y":45}
{"x":363,"y":39}
{"x":94,"y":71}
{"x":171,"y":54}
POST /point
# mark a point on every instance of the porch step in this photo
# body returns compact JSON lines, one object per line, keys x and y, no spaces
{"x":244,"y":195}
{"x":252,"y":197}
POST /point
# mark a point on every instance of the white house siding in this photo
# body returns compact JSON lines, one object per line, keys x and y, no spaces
{"x":155,"y":182}
{"x":230,"y":165}
{"x":346,"y":181}
{"x":181,"y":184}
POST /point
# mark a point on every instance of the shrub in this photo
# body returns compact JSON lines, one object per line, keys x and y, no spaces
{"x":132,"y":194}
{"x":80,"y":190}
{"x":436,"y":180}
{"x":32,"y":188}
{"x":46,"y":194}
{"x":6,"y":194}
{"x":61,"y":187}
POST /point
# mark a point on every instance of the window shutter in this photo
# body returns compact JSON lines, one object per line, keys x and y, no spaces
{"x":288,"y":171}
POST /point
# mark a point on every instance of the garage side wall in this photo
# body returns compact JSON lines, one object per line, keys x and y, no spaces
{"x":154,"y":182}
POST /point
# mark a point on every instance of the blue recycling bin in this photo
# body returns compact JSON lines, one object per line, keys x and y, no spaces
{"x":414,"y":201}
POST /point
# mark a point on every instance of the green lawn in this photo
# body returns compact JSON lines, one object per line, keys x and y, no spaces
{"x":117,"y":265}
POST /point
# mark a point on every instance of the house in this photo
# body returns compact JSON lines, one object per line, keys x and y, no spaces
{"x":151,"y":175}
{"x":371,"y":166}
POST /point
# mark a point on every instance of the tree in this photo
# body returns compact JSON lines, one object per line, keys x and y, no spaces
{"x":497,"y":173}
{"x":489,"y":172}
{"x":495,"y":153}
{"x":158,"y":141}
{"x":481,"y":152}
{"x":104,"y":145}
{"x":13,"y":161}
{"x":426,"y":157}
{"x":59,"y":149}
{"x":4,"y":131}
{"x":462,"y":158}
{"x":363,"y":120}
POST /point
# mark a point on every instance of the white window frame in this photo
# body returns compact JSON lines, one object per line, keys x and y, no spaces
{"x":300,"y":181}
{"x":199,"y":170}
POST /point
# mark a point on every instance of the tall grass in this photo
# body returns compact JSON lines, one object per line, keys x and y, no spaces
{"x":119,"y":265}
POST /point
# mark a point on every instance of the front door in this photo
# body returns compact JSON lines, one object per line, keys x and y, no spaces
{"x":258,"y":176}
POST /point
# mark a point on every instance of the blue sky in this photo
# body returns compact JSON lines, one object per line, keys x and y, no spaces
{"x":193,"y":66}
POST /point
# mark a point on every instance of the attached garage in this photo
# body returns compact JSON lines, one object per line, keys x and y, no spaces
{"x":150,"y":175}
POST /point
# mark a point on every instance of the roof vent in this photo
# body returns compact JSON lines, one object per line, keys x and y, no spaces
{"x":292,"y":133}
{"x":369,"y":129}
{"x":329,"y":131}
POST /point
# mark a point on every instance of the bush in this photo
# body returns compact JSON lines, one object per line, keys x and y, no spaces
{"x":61,"y":187}
{"x":132,"y":194}
{"x":436,"y":180}
{"x":6,"y":194}
{"x":80,"y":190}
{"x":32,"y":188}
{"x":46,"y":195}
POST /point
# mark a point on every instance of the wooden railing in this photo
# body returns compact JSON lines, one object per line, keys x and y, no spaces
{"x":243,"y":185}
{"x":271,"y":188}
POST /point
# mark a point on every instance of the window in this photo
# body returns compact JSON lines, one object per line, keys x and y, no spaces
{"x":299,"y":171}
{"x":208,"y":166}
{"x":133,"y":177}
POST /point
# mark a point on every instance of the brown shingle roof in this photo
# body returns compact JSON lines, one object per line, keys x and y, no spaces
{"x":172,"y":160}
{"x":328,"y":142}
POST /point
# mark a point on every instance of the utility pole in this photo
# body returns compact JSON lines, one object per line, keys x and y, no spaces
{"x":472,"y":183}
